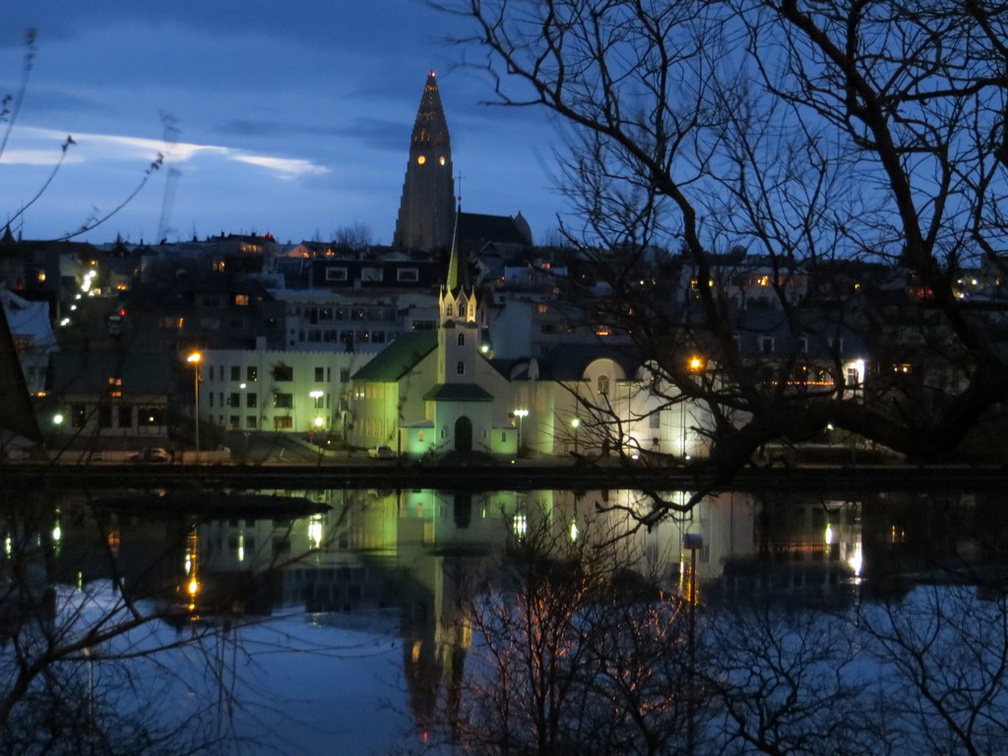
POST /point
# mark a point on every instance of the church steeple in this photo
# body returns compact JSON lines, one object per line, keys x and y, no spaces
{"x":458,"y":336}
{"x":426,"y":210}
{"x":458,"y":297}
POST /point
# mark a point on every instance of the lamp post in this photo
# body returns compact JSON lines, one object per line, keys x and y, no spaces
{"x":695,"y":365}
{"x":575,"y":424}
{"x":194,"y":360}
{"x":521,"y":414}
{"x":319,"y":422}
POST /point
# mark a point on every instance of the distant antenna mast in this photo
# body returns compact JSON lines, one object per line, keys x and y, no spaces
{"x":171,"y":136}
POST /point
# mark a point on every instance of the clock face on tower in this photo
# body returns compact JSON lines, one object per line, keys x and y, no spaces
{"x":421,"y":160}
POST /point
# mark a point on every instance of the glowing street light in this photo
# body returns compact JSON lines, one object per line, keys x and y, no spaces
{"x":575,"y":424}
{"x":194,"y":360}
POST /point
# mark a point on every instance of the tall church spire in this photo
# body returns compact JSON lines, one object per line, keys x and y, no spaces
{"x":426,"y":210}
{"x":458,"y":297}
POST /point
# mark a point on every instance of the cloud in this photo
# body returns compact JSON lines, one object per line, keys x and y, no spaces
{"x":119,"y":147}
{"x":35,"y":157}
{"x":285,"y":167}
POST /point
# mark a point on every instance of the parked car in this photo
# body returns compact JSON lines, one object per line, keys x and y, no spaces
{"x":155,"y":454}
{"x":381,"y":452}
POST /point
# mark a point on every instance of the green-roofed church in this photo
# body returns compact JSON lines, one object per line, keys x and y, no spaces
{"x":434,"y":392}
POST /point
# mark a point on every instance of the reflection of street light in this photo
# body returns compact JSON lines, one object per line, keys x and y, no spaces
{"x":692,"y":542}
{"x":575,"y":424}
{"x":191,"y":567}
{"x":521,"y":414}
{"x":194,"y":360}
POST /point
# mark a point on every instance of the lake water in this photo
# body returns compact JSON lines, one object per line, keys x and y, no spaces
{"x":331,"y":621}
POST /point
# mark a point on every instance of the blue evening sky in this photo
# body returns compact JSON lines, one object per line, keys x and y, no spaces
{"x":293,"y":118}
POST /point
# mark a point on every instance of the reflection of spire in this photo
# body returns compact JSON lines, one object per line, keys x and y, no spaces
{"x":435,"y":648}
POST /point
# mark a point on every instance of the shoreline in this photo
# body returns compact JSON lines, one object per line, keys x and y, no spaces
{"x":517,"y":475}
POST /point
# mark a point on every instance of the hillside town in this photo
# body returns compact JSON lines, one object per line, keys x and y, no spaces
{"x":463,"y":336}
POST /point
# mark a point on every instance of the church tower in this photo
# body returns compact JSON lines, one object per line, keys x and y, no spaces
{"x":459,"y":333}
{"x":427,"y":208}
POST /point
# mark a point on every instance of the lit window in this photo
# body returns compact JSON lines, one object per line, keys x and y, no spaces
{"x":421,"y":160}
{"x":241,"y":300}
{"x":441,"y":160}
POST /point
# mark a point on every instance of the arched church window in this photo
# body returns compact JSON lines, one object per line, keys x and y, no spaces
{"x":461,"y":339}
{"x":450,"y":311}
{"x":603,"y":384}
{"x":460,"y":368}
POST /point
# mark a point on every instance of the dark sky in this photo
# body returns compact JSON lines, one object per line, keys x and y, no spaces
{"x":291,"y":118}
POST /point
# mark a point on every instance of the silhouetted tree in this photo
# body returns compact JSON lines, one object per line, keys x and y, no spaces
{"x":571,"y":653}
{"x":808,"y":138}
{"x":354,"y":236}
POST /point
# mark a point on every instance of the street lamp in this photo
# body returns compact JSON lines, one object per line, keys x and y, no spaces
{"x":319,"y":422}
{"x":194,"y":360}
{"x":521,"y":414}
{"x":695,"y":365}
{"x":575,"y":424}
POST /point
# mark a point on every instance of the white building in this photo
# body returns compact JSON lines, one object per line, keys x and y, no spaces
{"x":253,"y":390}
{"x":33,"y":337}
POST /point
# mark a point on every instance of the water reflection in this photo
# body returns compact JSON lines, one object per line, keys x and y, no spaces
{"x":353,"y":558}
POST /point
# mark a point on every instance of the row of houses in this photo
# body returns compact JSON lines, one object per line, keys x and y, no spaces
{"x":286,"y":348}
